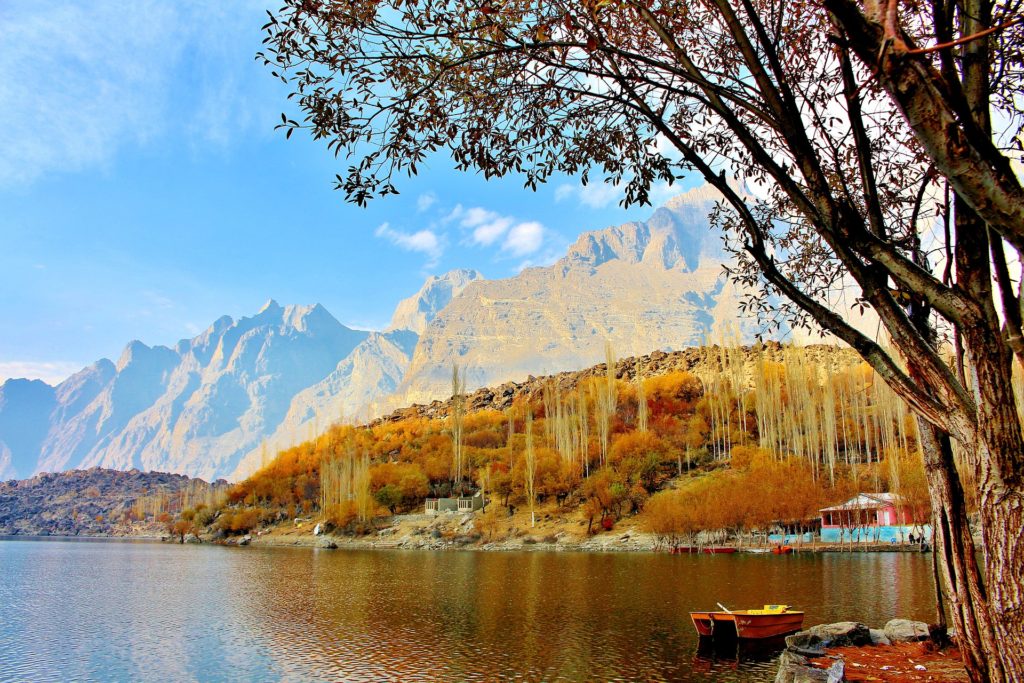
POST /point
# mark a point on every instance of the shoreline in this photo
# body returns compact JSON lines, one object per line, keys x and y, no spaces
{"x":629,"y":541}
{"x":599,"y":545}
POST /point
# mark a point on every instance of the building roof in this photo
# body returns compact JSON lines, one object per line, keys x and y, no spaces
{"x":865,"y":501}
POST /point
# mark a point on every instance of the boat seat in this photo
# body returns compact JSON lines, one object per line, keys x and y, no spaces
{"x":770,"y":609}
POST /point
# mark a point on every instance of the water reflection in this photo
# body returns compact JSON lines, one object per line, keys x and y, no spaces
{"x":131,"y":612}
{"x":732,"y":653}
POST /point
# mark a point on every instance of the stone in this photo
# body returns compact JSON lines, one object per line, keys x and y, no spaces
{"x":191,"y":538}
{"x":318,"y":529}
{"x":245,"y":540}
{"x":792,"y":657}
{"x":794,"y":668}
{"x":842,"y":634}
{"x":327,"y":544}
{"x":805,"y":643}
{"x":794,"y":673}
{"x":878,"y":637}
{"x":906,"y":631}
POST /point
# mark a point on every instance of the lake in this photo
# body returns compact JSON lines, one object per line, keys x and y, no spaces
{"x":129,"y":611}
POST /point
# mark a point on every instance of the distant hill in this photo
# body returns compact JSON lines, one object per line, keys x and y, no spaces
{"x":93,"y":502}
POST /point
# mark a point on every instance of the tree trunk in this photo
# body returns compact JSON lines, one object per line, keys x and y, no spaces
{"x":951,"y":538}
{"x":1000,"y":446}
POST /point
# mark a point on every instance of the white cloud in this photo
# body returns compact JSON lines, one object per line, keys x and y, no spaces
{"x":425,"y":201}
{"x":488,"y":233}
{"x":423,"y":241}
{"x":475,"y":216}
{"x":599,"y":195}
{"x":51,"y":372}
{"x":524,"y":238}
{"x":454,"y":214}
{"x":564,"y":191}
{"x":80,"y":82}
{"x":487,"y":226}
{"x":547,"y":258}
{"x":595,"y":195}
{"x":661,"y":192}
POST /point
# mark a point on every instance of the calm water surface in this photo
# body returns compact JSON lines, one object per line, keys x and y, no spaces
{"x":74,"y":611}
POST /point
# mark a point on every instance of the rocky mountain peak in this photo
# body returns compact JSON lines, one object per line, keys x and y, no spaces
{"x":271,"y":306}
{"x":416,"y":312}
{"x":676,"y":236}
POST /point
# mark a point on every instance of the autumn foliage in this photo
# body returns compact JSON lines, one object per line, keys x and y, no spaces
{"x":747,"y":458}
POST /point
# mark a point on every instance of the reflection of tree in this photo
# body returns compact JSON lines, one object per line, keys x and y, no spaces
{"x":371,"y":615}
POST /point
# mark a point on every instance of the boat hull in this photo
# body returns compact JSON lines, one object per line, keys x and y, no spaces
{"x":741,"y":624}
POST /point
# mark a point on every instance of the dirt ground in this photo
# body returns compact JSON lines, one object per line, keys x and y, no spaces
{"x":898,"y":662}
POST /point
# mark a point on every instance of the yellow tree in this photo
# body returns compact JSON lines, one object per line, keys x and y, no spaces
{"x":530,"y":467}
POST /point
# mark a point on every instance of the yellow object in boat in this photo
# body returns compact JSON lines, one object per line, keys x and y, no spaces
{"x":769,"y":609}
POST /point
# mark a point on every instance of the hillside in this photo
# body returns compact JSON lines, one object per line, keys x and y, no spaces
{"x":696,"y":360}
{"x":732,"y":441}
{"x":96,"y":502}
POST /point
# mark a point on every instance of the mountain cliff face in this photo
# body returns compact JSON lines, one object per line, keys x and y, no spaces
{"x":25,"y":407}
{"x":213,"y":405}
{"x":417,"y":311}
{"x":350,"y":392}
{"x":641,"y":286}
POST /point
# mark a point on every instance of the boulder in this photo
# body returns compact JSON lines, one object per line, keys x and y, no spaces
{"x":794,"y":673}
{"x":326,"y":543}
{"x":839,"y":634}
{"x":878,"y":637}
{"x":794,"y":668}
{"x":792,"y":657}
{"x":245,"y":540}
{"x":906,"y":631}
{"x":318,"y":529}
{"x":843,"y":634}
{"x":805,"y":643}
{"x":191,"y":538}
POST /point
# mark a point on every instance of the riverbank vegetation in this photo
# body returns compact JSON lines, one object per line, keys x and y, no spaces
{"x":748,"y":440}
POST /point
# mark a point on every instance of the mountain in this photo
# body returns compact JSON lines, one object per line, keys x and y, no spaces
{"x":371,"y":372}
{"x":25,"y":407}
{"x":197,"y":408}
{"x":417,"y":311}
{"x":641,"y":286}
{"x":216,"y":405}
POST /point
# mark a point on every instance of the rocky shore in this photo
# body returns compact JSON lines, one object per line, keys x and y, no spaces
{"x":460,"y":532}
{"x":851,"y":651}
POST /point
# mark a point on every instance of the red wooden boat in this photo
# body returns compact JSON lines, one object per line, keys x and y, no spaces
{"x":771,"y":622}
{"x":720,"y":551}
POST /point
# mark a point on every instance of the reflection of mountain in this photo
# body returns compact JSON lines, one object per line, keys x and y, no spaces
{"x":205,"y":406}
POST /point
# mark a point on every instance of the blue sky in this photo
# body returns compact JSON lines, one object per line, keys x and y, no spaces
{"x":144,"y":192}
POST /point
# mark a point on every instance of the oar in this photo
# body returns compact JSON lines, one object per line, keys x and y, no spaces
{"x":724,"y":608}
